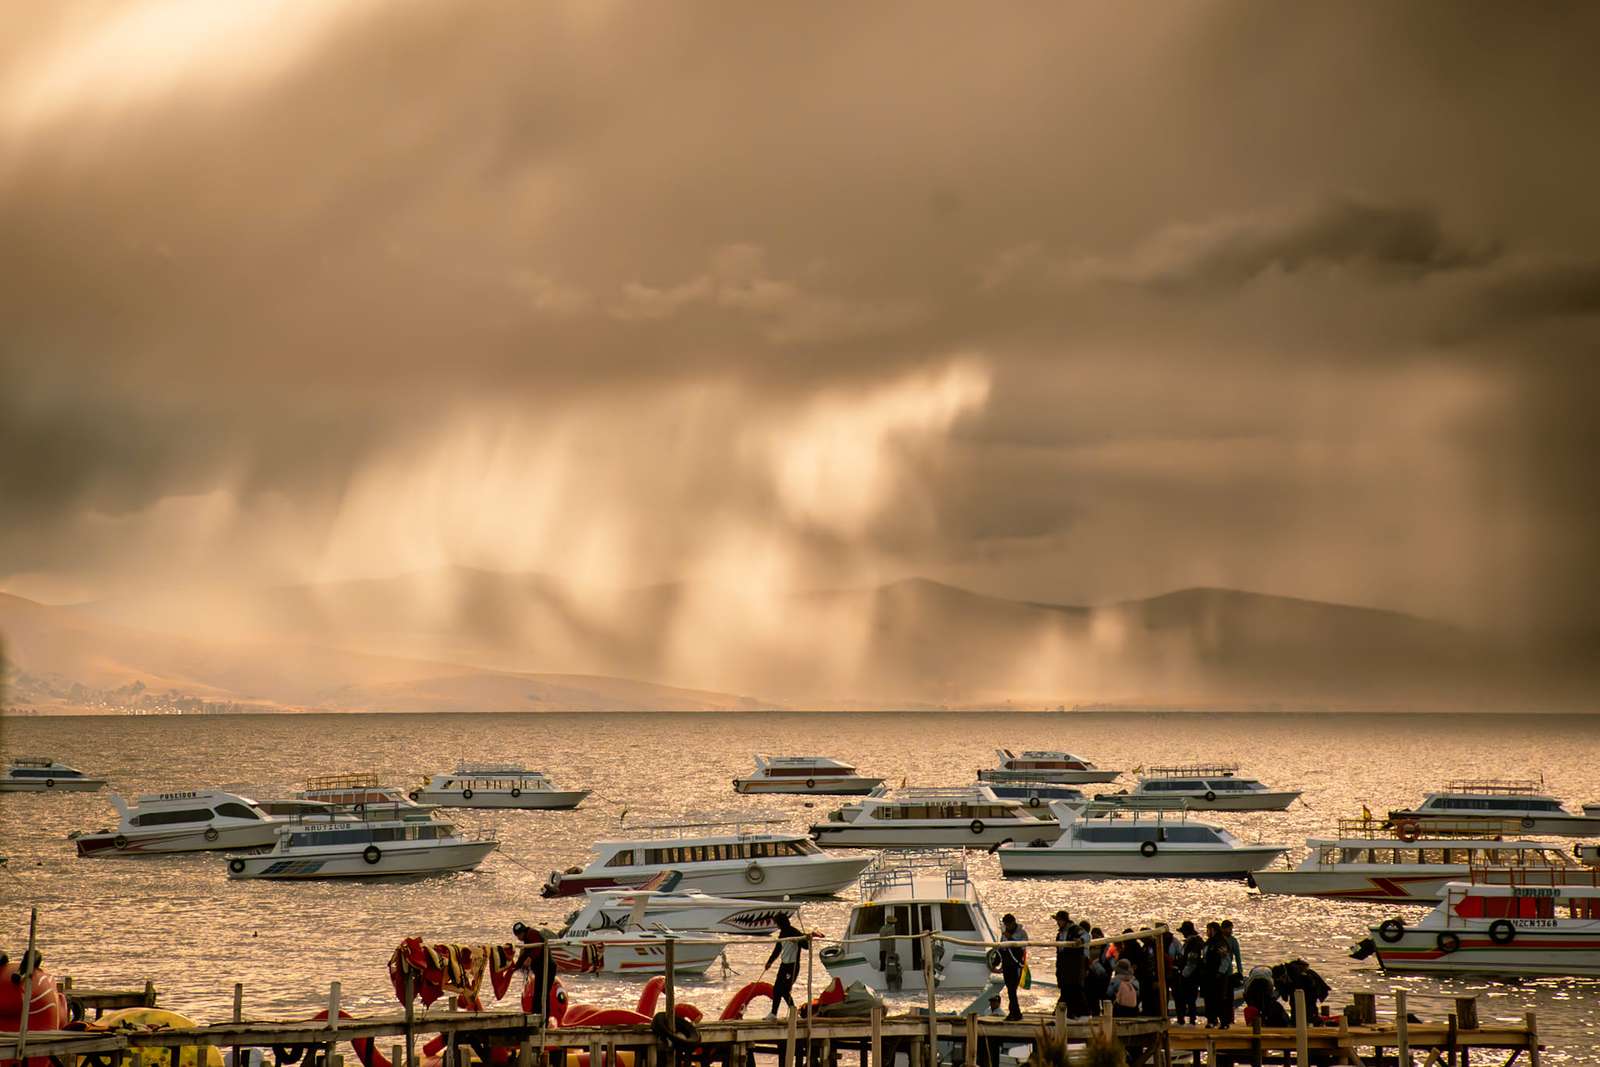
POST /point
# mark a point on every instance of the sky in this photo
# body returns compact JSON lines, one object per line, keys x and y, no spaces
{"x":1065,"y":302}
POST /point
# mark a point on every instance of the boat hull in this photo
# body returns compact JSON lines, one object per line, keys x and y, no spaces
{"x":1087,"y":776}
{"x":884,"y":835}
{"x":964,"y":970}
{"x":1387,"y":886}
{"x":531,"y":800}
{"x":1561,"y":826}
{"x":395,"y":861}
{"x":52,"y":785}
{"x":840,"y":786}
{"x":729,"y":918}
{"x":1567,"y":949}
{"x":160,"y":842}
{"x":1243,"y":801}
{"x":632,"y":954}
{"x":774,"y":878}
{"x":1168,"y":862}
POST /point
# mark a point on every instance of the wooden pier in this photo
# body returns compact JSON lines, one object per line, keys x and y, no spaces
{"x":952,"y":1041}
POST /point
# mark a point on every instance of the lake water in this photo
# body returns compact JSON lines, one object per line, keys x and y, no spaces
{"x":179,"y":921}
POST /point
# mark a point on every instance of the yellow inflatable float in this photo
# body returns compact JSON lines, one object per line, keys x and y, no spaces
{"x":159,"y":1019}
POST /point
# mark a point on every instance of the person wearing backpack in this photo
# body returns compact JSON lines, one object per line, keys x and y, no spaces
{"x":1187,"y":973}
{"x":1124,"y":990}
{"x":1218,"y":972}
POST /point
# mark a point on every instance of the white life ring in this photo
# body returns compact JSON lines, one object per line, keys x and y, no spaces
{"x":754,"y":874}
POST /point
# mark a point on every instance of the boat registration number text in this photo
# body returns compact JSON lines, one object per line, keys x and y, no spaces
{"x":1525,"y":923}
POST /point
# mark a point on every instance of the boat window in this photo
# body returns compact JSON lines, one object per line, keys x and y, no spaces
{"x":867,"y":920}
{"x":1224,"y":785}
{"x":51,"y":772}
{"x":167,"y":818}
{"x":955,"y":918}
{"x":1111,"y":834}
{"x":236,"y":811}
{"x":1431,"y":855}
{"x":1192,"y":835}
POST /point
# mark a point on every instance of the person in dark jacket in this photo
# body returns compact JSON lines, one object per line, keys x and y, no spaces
{"x":1301,"y":976}
{"x":1218,"y":984}
{"x":1011,"y":962}
{"x":1101,"y":960}
{"x":787,"y":955}
{"x":1071,"y":965}
{"x":1189,"y":973}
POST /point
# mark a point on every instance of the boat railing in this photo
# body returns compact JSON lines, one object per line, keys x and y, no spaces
{"x":1194,"y":770}
{"x":354,"y":780}
{"x":1386,"y":829}
{"x":32,"y":761}
{"x":738,"y":821}
{"x":1130,"y":806}
{"x":944,"y":792}
{"x":901,"y":867}
{"x":1549,"y":877}
{"x":1496,"y":786}
{"x":501,"y":770}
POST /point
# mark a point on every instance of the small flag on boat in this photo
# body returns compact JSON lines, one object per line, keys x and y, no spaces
{"x":1366,"y":813}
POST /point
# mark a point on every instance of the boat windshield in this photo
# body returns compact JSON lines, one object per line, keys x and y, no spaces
{"x":367,"y":835}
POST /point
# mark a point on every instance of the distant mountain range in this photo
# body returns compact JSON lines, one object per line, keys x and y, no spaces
{"x":471,"y":640}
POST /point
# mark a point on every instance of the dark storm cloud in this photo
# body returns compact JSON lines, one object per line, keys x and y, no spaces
{"x":1198,"y":272}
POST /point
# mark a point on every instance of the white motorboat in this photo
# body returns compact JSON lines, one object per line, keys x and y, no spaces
{"x":954,"y":817}
{"x":494,"y":785}
{"x":1477,"y":927}
{"x":1062,"y":768}
{"x":662,"y":902}
{"x":1123,"y":842}
{"x":923,"y":892}
{"x":1496,"y":800}
{"x":382,"y":842}
{"x":724,"y":855}
{"x":1368,"y":862}
{"x":194,"y":821}
{"x":819,"y":775}
{"x":596,"y":940}
{"x":355,"y":792}
{"x":41,"y":774}
{"x":1209,"y":787}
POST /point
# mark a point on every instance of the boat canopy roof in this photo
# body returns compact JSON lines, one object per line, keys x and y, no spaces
{"x":820,"y":762}
{"x":1194,"y":770}
{"x":356,"y":780}
{"x":191,"y":797}
{"x":1493,"y":786}
{"x":912,"y":874}
{"x":514,"y":770}
{"x":33,"y":761}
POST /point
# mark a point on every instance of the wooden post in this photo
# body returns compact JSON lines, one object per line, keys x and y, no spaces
{"x":1402,"y":1029}
{"x":1161,"y":992}
{"x":1302,"y":1031}
{"x":1532,"y":1022}
{"x":877,"y":1036}
{"x":333,"y":1024}
{"x":411,"y":1020}
{"x":1366,"y":1008}
{"x":1108,"y":1025}
{"x":811,"y":956}
{"x":238,"y":1017}
{"x":672,"y":989}
{"x":1450,"y":1041}
{"x":1255,"y":1042}
{"x":397,"y":1055}
{"x":1467,"y":1012}
{"x":25,"y":974}
{"x":933,"y":1004}
{"x":972,"y":1040}
{"x":788,"y":1039}
{"x":544,"y":1009}
{"x":149,"y":993}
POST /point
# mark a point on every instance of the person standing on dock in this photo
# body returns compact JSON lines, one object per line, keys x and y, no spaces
{"x":1011,"y":961}
{"x":1233,"y":944}
{"x":1187,"y":973}
{"x":1218,"y":977}
{"x":1071,"y":963}
{"x":787,"y":955}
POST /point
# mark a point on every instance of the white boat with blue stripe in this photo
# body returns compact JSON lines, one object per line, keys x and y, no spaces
{"x":393,"y":842}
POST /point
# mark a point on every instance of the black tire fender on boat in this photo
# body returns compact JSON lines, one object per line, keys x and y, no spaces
{"x":413,"y":796}
{"x":1447,"y":941}
{"x":1034,"y":801}
{"x":211,"y":833}
{"x":811,"y":783}
{"x":1527,"y":822}
{"x":236,"y":866}
{"x":1391,"y":930}
{"x":515,"y":792}
{"x":372,"y":854}
{"x":754,"y":874}
{"x":976,"y":826}
{"x":49,"y":783}
{"x":1502,"y":931}
{"x":119,"y":841}
{"x":1211,"y":795}
{"x":466,"y":794}
{"x":358,"y":807}
{"x":991,"y":959}
{"x":1148,"y":849}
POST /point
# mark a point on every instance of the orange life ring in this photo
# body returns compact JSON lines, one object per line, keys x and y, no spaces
{"x":1407,"y":830}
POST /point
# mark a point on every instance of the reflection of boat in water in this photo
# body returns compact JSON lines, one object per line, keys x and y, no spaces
{"x":729,"y":855}
{"x":380,"y":842}
{"x":1496,"y":800}
{"x":1368,"y":862}
{"x":1208,"y":787}
{"x":496,"y":785}
{"x":958,"y":817}
{"x":193,"y":821}
{"x":917,"y":893}
{"x":1526,"y":927}
{"x":1063,"y":768}
{"x":817,"y":775}
{"x":1124,"y":842}
{"x":41,"y":774}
